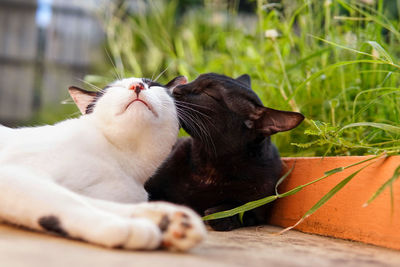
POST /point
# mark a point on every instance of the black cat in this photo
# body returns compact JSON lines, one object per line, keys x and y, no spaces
{"x":229,"y":159}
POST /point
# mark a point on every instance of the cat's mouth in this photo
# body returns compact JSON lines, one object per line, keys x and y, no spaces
{"x":143,"y":102}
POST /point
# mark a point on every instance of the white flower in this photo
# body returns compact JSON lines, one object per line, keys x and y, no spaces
{"x":351,"y":39}
{"x":271,"y":34}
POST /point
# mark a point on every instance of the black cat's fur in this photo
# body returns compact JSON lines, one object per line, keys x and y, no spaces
{"x":229,"y":159}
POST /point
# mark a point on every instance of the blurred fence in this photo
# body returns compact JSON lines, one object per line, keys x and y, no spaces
{"x":38,"y":64}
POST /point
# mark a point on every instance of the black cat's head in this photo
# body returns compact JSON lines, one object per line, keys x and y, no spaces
{"x":220,"y":110}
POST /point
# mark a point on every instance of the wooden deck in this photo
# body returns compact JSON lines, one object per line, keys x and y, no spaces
{"x":243,"y":247}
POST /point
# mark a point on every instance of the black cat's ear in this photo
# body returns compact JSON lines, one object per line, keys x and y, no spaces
{"x":269,"y":121}
{"x":175,"y":82}
{"x":245,"y":79}
{"x":81,"y":97}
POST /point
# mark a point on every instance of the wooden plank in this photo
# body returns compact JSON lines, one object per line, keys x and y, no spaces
{"x":19,"y":4}
{"x":73,"y":39}
{"x":18,"y":33}
{"x":73,"y":43}
{"x":16,"y":92}
{"x":343,"y":216}
{"x":56,"y":81}
{"x":18,"y":39}
{"x":253,"y":247}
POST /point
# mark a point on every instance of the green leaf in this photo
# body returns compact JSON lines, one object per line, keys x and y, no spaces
{"x":292,"y":191}
{"x":333,"y":191}
{"x":389,"y":183}
{"x":330,"y":172}
{"x":382,"y":126}
{"x":260,"y":202}
{"x":246,"y":207}
{"x":312,"y":132}
{"x":306,"y":145}
{"x":382,"y":52}
{"x":241,"y":217}
{"x":283,"y":178}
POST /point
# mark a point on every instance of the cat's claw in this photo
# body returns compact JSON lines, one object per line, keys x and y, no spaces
{"x":181,"y":227}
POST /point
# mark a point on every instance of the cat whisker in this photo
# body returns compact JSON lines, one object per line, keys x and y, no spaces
{"x":184,"y":116}
{"x":117,"y":75}
{"x":67,"y":102}
{"x":201,"y":117}
{"x":185,"y":119}
{"x":200,"y":130}
{"x":194,"y":105}
{"x":73,"y":115}
{"x":192,"y":109}
{"x":98,"y":89}
{"x":162,"y":72}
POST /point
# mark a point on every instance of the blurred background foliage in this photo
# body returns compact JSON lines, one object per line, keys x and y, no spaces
{"x":333,"y":60}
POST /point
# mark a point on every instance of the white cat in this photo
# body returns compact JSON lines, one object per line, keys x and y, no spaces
{"x":78,"y":178}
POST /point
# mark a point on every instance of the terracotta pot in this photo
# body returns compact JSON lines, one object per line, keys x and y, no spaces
{"x":343,"y":216}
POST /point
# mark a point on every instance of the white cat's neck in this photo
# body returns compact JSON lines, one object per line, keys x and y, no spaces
{"x":138,"y":155}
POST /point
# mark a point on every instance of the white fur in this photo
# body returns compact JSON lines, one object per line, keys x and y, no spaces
{"x":77,"y":170}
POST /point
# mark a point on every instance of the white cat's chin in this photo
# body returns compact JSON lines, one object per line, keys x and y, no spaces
{"x":141,"y":107}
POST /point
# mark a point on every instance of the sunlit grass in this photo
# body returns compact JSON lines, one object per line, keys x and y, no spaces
{"x":335,"y":61}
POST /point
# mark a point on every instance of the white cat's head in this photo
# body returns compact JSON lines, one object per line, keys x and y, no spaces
{"x":130,"y":108}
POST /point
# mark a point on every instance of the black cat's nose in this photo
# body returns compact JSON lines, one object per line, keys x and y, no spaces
{"x":137,"y":87}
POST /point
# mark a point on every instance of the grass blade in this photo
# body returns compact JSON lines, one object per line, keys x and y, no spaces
{"x":388,"y":183}
{"x":382,"y":126}
{"x":336,"y":170}
{"x":326,"y":197}
{"x":337,"y":65}
{"x":381,"y":51}
{"x":283,"y":178}
{"x":246,"y":207}
{"x":260,"y":202}
{"x":333,"y":191}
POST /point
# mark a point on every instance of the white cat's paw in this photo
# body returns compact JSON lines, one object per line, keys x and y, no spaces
{"x":144,"y":234}
{"x":137,"y":233}
{"x":181,"y":227}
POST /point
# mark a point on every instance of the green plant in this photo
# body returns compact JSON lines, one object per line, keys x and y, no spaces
{"x":335,"y":61}
{"x":260,"y":202}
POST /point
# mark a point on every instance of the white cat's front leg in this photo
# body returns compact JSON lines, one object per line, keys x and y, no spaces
{"x":181,"y":227}
{"x":34,"y":201}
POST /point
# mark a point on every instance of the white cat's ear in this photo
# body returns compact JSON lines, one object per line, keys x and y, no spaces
{"x":175,"y":82}
{"x":82,"y":98}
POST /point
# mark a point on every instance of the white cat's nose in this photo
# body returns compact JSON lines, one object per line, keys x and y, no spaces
{"x":137,"y":87}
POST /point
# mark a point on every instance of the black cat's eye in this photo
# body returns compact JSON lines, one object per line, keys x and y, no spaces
{"x":211,"y":96}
